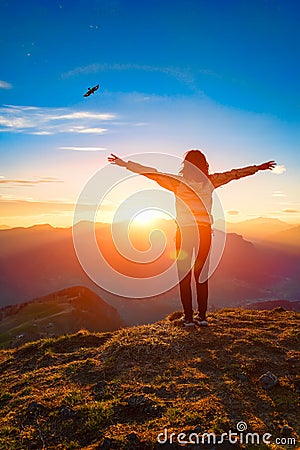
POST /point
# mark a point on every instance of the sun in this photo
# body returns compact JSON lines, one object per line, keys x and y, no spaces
{"x":149,"y":217}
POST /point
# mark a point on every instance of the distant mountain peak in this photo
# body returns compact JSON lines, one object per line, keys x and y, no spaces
{"x":65,"y":311}
{"x":261,"y":220}
{"x":42,"y":226}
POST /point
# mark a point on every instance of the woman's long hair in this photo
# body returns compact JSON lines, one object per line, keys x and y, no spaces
{"x":197,"y":161}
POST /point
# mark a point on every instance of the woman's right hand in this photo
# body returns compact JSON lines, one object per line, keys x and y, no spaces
{"x":113,"y":159}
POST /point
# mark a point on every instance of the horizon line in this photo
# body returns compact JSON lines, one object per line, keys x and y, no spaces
{"x":4,"y":227}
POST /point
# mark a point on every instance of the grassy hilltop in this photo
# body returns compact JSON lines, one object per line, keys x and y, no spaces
{"x":121,"y":389}
{"x":61,"y":312}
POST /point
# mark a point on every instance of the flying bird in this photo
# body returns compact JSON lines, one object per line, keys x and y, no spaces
{"x":91,"y":91}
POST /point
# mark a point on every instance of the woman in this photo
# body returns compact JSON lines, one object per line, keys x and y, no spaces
{"x":193,"y":188}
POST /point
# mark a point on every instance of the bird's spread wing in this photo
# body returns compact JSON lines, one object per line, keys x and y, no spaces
{"x":91,"y":91}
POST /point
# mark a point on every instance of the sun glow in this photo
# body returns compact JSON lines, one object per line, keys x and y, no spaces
{"x":149,"y":217}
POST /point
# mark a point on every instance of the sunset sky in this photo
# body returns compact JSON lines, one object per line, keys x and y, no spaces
{"x":221,"y":76}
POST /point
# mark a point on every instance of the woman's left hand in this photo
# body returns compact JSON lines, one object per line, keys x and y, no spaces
{"x":267,"y":166}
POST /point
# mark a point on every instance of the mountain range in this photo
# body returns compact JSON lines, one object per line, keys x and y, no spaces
{"x":40,"y":260}
{"x":268,"y":232}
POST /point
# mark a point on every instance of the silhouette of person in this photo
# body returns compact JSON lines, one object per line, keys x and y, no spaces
{"x":193,"y":188}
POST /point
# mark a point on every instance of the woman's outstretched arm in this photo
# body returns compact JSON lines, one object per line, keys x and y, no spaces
{"x":165,"y":180}
{"x":218,"y":179}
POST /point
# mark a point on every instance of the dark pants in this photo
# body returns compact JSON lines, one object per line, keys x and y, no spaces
{"x":185,"y":267}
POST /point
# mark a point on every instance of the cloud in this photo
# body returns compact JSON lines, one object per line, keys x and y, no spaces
{"x":82,"y":129}
{"x":41,"y":133}
{"x":22,"y":108}
{"x":279,"y":169}
{"x":233,"y":213}
{"x":15,"y":122}
{"x":46,"y":121}
{"x":5,"y":85}
{"x":183,"y":75}
{"x":12,"y":206}
{"x":88,"y":130}
{"x":20,"y":207}
{"x":41,"y":180}
{"x":50,"y":179}
{"x":84,"y":149}
{"x":278,"y":194}
{"x":84,"y":115}
{"x":291,"y":211}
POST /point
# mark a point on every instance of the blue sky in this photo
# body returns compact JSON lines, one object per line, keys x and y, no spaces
{"x":239,"y":53}
{"x":220,"y":76}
